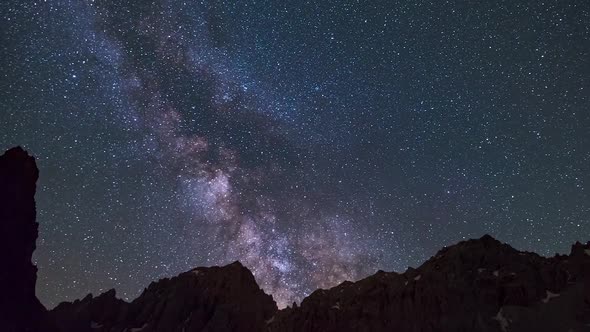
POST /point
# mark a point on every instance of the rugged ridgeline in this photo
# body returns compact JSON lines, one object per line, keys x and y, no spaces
{"x":475,"y":285}
{"x":20,"y":310}
{"x":204,"y":299}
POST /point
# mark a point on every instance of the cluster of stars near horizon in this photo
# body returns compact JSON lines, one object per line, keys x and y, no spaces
{"x":315,"y":142}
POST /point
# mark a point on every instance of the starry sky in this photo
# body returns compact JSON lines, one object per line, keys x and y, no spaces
{"x":314,"y":141}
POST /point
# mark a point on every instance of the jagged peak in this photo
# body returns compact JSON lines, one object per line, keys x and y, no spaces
{"x":486,"y":241}
{"x":236,"y":264}
{"x":580,"y":249}
{"x":16,"y":151}
{"x":110,"y":293}
{"x":233,"y":267}
{"x":488,"y":238}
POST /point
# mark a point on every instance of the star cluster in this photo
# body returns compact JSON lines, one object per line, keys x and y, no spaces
{"x":315,"y":142}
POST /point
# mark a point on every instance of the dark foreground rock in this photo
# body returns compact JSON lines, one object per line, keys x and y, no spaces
{"x":20,"y":310}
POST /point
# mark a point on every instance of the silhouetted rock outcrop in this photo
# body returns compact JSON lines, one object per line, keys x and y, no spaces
{"x":20,"y":310}
{"x":204,"y":299}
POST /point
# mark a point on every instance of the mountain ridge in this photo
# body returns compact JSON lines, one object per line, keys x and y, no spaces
{"x":483,"y":259}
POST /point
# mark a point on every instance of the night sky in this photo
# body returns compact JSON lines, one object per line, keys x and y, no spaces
{"x":314,"y":141}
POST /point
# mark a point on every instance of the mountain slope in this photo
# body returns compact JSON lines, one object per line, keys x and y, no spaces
{"x":204,"y":299}
{"x":476,"y":285}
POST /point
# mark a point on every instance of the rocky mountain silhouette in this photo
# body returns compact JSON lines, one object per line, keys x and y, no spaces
{"x":204,"y":299}
{"x":475,"y":285}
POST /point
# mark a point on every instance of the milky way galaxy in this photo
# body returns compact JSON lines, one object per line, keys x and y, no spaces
{"x":315,"y":142}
